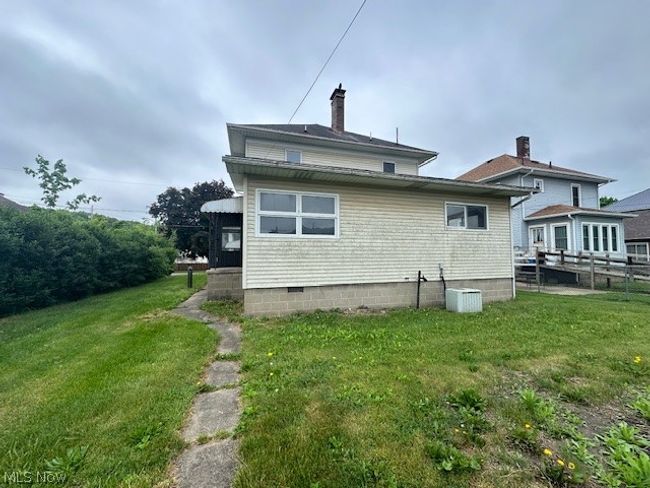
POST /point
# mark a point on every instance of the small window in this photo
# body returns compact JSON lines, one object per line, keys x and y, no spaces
{"x":538,"y":184}
{"x":605,"y":238}
{"x":614,"y":238}
{"x":231,"y":239}
{"x":389,"y":167}
{"x":466,"y":216}
{"x":293,"y":156}
{"x":537,"y":234}
{"x":576,"y":198}
{"x":586,"y":243}
{"x":561,"y":237}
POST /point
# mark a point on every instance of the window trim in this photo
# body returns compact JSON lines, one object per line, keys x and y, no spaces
{"x":530,"y":232}
{"x":298,"y":214}
{"x":602,"y":227}
{"x":466,"y":204}
{"x":579,"y":187}
{"x":383,"y":167}
{"x":540,"y":180}
{"x":635,"y":244}
{"x":568,"y":235}
{"x":286,"y":157}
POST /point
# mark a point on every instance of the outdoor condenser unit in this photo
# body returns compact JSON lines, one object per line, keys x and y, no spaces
{"x":464,"y":300}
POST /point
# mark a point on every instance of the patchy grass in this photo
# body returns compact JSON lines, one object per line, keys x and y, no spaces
{"x":225,"y":309}
{"x":429,"y":398}
{"x":96,"y":390}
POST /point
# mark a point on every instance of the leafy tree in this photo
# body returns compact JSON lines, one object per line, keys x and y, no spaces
{"x":179,"y":214}
{"x":54,"y":181}
{"x":604,"y":201}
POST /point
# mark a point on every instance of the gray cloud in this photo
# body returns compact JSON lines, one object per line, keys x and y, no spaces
{"x":141,"y":91}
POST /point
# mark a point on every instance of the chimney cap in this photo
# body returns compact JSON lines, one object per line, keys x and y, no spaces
{"x":338,"y":92}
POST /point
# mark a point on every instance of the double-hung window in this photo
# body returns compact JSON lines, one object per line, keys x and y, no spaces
{"x":458,"y":215}
{"x":296,"y":214}
{"x":561,"y":237}
{"x":576,"y":195}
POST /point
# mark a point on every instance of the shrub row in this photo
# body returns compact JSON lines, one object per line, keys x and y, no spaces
{"x":51,"y":256}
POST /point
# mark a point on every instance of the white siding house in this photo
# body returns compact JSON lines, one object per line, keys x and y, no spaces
{"x":334,"y":219}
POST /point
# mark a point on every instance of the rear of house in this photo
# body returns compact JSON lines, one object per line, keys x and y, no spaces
{"x":334,"y":219}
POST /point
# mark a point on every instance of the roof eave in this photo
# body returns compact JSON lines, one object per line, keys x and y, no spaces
{"x":581,"y":212}
{"x":420,"y":154}
{"x":238,"y":167}
{"x":549,"y":172}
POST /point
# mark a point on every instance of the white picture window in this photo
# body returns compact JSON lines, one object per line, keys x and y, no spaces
{"x":466,"y":216}
{"x":293,"y":156}
{"x":538,"y":184}
{"x":576,"y":195}
{"x":389,"y":167}
{"x":282,"y":213}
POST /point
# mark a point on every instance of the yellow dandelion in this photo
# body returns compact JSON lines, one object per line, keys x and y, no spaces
{"x":270,"y":374}
{"x":269,"y":354}
{"x":548,"y":452}
{"x":572,"y":466}
{"x":637,"y":359}
{"x":456,"y":430}
{"x":528,"y":426}
{"x":560,"y":462}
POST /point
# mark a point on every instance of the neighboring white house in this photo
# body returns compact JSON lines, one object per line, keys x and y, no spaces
{"x":565,"y":212}
{"x":334,"y":219}
{"x":637,"y":229}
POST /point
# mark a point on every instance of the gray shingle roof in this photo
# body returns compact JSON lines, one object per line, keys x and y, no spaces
{"x":6,"y":203}
{"x":318,"y":130}
{"x":638,"y":201}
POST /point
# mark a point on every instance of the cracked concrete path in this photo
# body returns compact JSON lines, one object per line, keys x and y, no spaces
{"x":214,"y":464}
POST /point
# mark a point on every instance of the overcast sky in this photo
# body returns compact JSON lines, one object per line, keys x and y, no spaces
{"x":135,"y":95}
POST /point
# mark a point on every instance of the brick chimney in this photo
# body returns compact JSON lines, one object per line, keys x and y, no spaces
{"x":523,"y":147}
{"x":338,"y":109}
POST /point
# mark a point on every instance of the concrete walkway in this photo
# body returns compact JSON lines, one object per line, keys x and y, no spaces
{"x":212,"y":464}
{"x":559,"y":290}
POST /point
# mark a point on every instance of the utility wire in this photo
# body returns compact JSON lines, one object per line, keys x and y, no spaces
{"x":345,"y":33}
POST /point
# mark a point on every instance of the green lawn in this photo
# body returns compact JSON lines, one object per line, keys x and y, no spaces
{"x":98,"y":389}
{"x":429,"y":398}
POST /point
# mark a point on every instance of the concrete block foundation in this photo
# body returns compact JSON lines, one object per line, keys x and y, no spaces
{"x":224,"y":283}
{"x":278,"y":301}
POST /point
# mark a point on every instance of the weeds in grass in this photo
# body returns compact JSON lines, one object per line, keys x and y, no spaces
{"x":642,"y":404}
{"x":469,"y":399}
{"x":202,"y":387}
{"x":450,"y":459}
{"x":625,"y":454}
{"x":69,"y":463}
{"x":527,"y":437}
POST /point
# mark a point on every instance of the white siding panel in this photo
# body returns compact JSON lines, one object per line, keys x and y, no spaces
{"x":324,"y":157}
{"x":385,"y":236}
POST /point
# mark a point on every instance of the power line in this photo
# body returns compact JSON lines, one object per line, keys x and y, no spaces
{"x":345,"y":33}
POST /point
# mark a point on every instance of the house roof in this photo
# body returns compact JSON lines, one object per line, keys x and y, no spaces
{"x":563,"y":210}
{"x":507,"y":164}
{"x":638,"y":201}
{"x":320,"y":134}
{"x":239,"y":166}
{"x":639,"y":227}
{"x":6,"y":203}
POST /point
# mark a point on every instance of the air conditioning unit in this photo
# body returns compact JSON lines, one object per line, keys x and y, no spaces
{"x":464,"y":300}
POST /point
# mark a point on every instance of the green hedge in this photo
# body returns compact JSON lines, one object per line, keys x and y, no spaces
{"x":51,"y":256}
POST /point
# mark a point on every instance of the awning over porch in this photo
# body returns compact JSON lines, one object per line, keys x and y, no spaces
{"x":225,"y":205}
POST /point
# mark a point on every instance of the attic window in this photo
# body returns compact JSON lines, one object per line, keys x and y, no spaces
{"x":293,"y":156}
{"x":538,"y":184}
{"x":389,"y":167}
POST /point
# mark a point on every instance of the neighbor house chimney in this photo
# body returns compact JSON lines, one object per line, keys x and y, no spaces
{"x":338,"y":109}
{"x":523,"y":147}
